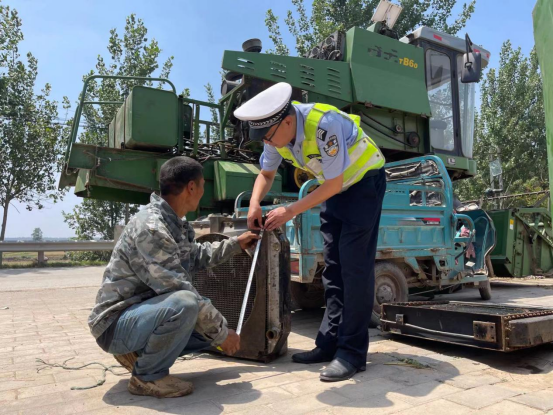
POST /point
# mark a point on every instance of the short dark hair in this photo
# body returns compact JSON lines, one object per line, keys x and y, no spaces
{"x":176,"y":173}
{"x":291,"y":111}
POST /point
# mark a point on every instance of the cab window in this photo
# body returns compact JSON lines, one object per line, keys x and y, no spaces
{"x":438,"y":85}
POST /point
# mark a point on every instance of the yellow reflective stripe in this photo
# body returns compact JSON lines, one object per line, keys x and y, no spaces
{"x":364,"y":154}
{"x":287,"y":154}
{"x":375,"y":160}
{"x":359,"y":149}
{"x":315,"y":166}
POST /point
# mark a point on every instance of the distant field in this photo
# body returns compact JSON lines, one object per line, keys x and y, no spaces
{"x":29,"y":259}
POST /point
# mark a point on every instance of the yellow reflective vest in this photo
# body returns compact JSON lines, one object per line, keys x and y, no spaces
{"x":364,"y":154}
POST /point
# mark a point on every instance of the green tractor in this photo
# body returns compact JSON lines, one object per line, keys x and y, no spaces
{"x":415,"y":96}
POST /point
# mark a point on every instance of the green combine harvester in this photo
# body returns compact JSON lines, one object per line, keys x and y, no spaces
{"x":408,"y":93}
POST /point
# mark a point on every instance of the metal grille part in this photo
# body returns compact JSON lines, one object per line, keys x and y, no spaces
{"x":477,"y":309}
{"x":225,"y":284}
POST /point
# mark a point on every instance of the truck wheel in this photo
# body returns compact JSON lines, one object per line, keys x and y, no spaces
{"x":390,"y":286}
{"x":485,"y":289}
{"x":308,"y":296}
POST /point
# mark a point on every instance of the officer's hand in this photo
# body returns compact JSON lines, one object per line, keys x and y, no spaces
{"x":247,"y":239}
{"x":278,"y":217}
{"x":255,"y":216}
{"x":232,"y":343}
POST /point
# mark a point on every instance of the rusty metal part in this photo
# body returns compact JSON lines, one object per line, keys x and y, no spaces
{"x":531,"y":331}
{"x":267,"y":318}
{"x":484,"y":331}
{"x":490,"y":326}
{"x":249,"y":285}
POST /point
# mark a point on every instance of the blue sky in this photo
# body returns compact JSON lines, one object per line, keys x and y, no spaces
{"x":67,"y":35}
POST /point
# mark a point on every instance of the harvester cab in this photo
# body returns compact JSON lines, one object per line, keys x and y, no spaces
{"x":452,"y":66}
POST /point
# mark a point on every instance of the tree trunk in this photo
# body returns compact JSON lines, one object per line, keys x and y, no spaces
{"x":4,"y":220}
{"x":4,"y":223}
{"x":126,"y":213}
{"x":113,"y":219}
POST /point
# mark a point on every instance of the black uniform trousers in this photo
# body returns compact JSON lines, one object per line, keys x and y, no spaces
{"x":349,"y":225}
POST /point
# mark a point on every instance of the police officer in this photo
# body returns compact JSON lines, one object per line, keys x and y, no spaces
{"x":329,"y":144}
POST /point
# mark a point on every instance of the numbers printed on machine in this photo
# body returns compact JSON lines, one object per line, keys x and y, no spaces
{"x":408,"y":62}
{"x":391,"y":55}
{"x":511,"y":224}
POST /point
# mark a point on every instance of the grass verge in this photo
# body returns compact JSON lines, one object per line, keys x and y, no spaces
{"x":17,"y":260}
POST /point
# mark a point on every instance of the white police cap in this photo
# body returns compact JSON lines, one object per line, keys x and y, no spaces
{"x":266,"y":109}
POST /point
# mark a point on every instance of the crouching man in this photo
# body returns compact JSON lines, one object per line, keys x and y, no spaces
{"x":147,"y":311}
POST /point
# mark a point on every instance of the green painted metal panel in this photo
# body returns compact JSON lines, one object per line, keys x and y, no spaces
{"x":67,"y":179}
{"x":231,"y":179}
{"x":501,"y":222}
{"x":386,"y":72}
{"x":123,"y":168}
{"x":328,"y":78}
{"x":208,"y":199}
{"x":89,"y":186}
{"x":373,"y":119}
{"x":545,"y":257}
{"x":524,"y":244}
{"x":472,"y":168}
{"x":543,"y":35}
{"x":314,"y":97}
{"x":147,"y":120}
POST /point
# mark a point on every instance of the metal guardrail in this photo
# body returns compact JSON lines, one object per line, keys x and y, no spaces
{"x":56,"y":246}
{"x":42,"y":247}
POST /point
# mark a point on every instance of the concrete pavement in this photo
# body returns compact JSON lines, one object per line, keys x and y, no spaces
{"x":47,"y":316}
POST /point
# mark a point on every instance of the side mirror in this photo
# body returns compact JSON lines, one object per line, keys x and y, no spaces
{"x":472,"y":64}
{"x":472,"y":67}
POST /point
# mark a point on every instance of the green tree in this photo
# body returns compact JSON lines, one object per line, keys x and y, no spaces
{"x":510,"y":125}
{"x":328,"y":16}
{"x":131,"y":54}
{"x":30,"y":132}
{"x":214,"y":130}
{"x":37,"y":234}
{"x":96,"y":219}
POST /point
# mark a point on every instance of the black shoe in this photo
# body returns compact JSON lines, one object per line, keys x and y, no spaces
{"x":314,"y":356}
{"x":340,"y":369}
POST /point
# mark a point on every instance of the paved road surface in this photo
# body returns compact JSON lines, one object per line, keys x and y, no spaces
{"x":47,"y":314}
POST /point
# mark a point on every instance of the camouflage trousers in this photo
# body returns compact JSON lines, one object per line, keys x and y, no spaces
{"x":159,"y":330}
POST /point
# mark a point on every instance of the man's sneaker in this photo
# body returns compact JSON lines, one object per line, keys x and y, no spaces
{"x":314,"y":356}
{"x":127,"y":360}
{"x":167,"y":387}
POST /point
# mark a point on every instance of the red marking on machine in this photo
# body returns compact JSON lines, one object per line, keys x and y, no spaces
{"x":295,"y":267}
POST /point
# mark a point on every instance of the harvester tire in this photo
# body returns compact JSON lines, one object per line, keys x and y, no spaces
{"x":485,"y":289}
{"x":390,"y":286}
